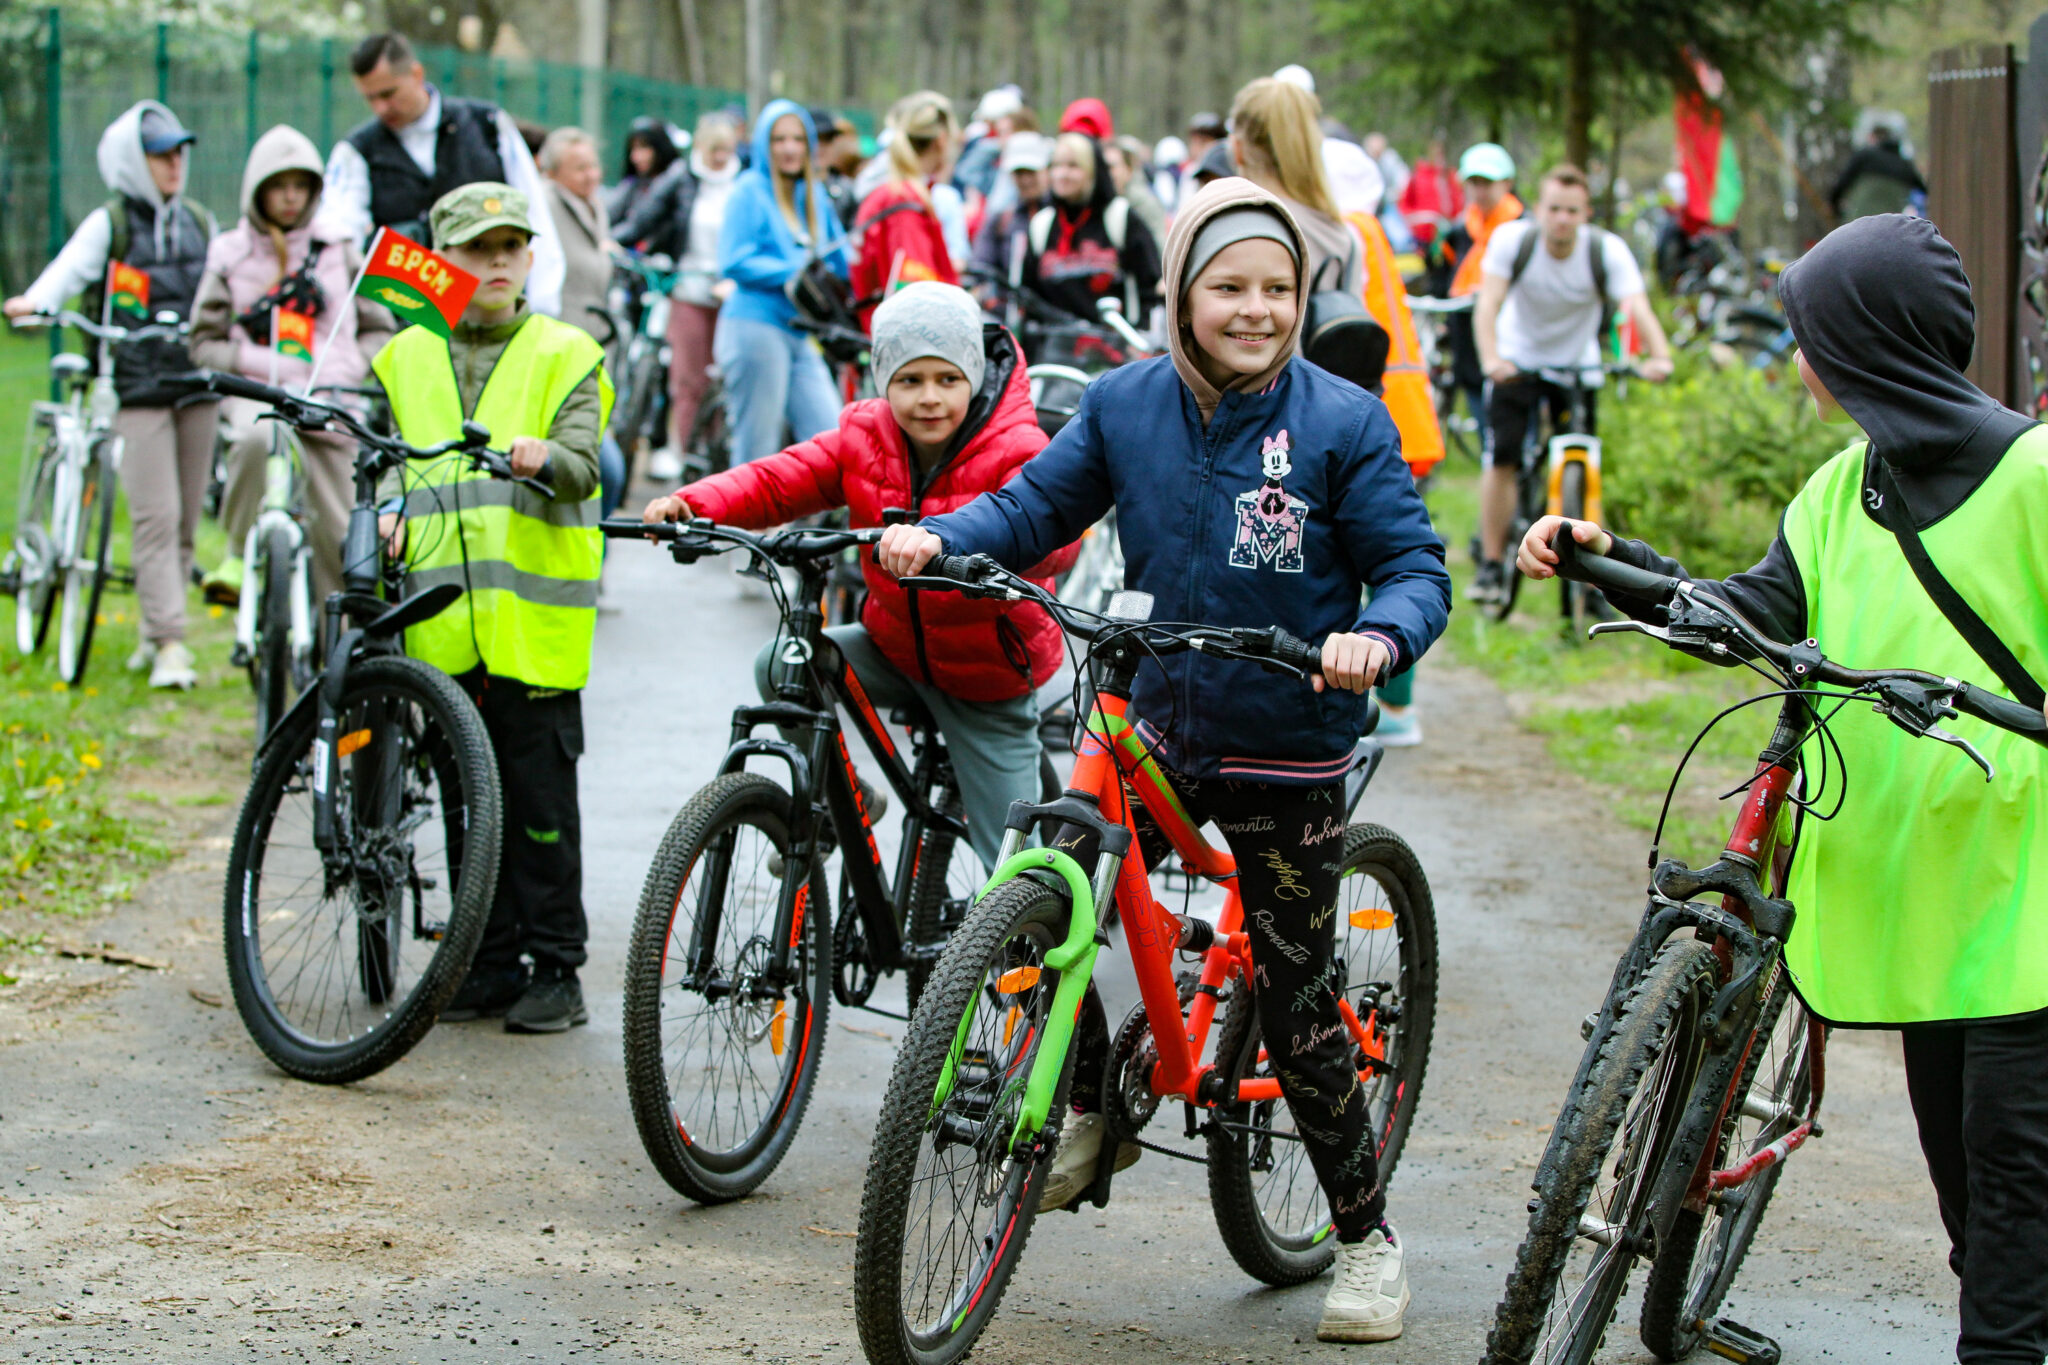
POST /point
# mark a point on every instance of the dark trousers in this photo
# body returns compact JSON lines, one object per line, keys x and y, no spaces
{"x":1980,"y":1097}
{"x":537,"y":736}
{"x":1511,"y":408}
{"x":1286,"y":841}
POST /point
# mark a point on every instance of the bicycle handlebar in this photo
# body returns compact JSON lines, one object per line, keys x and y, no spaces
{"x":165,"y":331}
{"x":1911,"y":699}
{"x":1429,"y":303}
{"x":691,"y":540}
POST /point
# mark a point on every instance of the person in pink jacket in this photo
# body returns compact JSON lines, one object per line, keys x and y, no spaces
{"x":279,"y":256}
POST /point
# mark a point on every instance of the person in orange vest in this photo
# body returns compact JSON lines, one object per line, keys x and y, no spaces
{"x":1488,"y":175}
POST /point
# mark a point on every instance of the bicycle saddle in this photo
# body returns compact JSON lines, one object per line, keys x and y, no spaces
{"x":68,"y":367}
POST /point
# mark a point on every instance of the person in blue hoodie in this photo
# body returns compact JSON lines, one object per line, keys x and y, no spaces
{"x":777,"y":219}
{"x":1252,"y":489}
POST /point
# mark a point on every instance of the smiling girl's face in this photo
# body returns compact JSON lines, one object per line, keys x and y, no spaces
{"x":1241,"y":309}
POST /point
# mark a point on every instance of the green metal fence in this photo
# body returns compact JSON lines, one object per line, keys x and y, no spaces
{"x":63,"y":81}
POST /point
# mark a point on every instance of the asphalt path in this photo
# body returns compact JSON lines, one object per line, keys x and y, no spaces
{"x":165,"y":1195}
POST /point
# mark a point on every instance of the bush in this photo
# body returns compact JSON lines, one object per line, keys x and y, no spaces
{"x":1702,"y":467}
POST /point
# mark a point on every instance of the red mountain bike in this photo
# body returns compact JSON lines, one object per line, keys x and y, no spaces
{"x":1703,"y":1071}
{"x":972,"y":1115}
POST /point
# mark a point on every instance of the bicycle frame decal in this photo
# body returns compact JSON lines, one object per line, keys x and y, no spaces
{"x":866,"y":710}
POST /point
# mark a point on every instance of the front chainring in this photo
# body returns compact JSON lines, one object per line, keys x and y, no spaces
{"x":1128,"y":1100}
{"x":853,"y":971}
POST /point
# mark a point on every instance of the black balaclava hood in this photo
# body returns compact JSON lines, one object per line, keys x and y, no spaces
{"x":1881,"y":309}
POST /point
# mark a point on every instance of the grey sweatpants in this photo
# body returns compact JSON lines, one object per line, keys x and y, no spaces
{"x":166,"y":454}
{"x":994,"y":744}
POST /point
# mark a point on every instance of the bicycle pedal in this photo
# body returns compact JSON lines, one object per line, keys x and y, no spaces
{"x":1744,"y":1345}
{"x":1587,"y":1024}
{"x":239,"y":658}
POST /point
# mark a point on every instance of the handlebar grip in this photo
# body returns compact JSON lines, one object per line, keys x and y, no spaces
{"x":1576,"y":563}
{"x":1296,"y":653}
{"x":2005,"y":714}
{"x":632,"y":528}
{"x":231,"y":385}
{"x":959,"y":568}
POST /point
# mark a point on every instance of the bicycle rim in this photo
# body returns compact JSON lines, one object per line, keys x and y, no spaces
{"x":85,"y":575}
{"x":270,"y":663}
{"x":35,"y":555}
{"x":341,"y":962}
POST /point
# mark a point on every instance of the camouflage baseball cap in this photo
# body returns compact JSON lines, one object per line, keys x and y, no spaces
{"x":470,"y":211}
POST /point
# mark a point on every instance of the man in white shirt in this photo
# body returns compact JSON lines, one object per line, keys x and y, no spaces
{"x":389,"y":171}
{"x":1542,"y":307}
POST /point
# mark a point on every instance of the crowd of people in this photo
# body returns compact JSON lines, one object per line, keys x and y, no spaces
{"x":1238,"y":246}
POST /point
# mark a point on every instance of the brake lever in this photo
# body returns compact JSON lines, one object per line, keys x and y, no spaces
{"x":1630,"y":627}
{"x":1936,"y":732}
{"x":1919,"y":711}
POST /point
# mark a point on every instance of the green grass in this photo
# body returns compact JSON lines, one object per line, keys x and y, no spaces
{"x":1618,"y":711}
{"x":82,"y":771}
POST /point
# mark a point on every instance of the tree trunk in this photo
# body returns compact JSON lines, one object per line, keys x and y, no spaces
{"x":1578,"y":93}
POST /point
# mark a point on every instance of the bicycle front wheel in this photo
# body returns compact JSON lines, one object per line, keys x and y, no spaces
{"x":1270,"y":1207}
{"x":85,"y":573}
{"x":1587,"y":1222}
{"x":1697,"y":1261}
{"x":37,"y":561}
{"x":948,"y":1206}
{"x":341,"y":958}
{"x":1576,"y":599}
{"x":722,"y":1043}
{"x":270,"y":664}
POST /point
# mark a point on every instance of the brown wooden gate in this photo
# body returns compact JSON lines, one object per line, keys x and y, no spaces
{"x":1973,"y":197}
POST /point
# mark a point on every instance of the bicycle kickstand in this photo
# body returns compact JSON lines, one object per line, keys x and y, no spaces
{"x":1744,"y":1345}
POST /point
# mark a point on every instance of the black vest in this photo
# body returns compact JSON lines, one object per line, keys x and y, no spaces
{"x":175,"y":266}
{"x":465,"y":151}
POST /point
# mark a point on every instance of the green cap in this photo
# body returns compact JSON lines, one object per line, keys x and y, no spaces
{"x":472,"y":210}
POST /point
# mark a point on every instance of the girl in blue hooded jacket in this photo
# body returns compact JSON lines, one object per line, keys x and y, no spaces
{"x":777,"y":217}
{"x":1252,"y":489}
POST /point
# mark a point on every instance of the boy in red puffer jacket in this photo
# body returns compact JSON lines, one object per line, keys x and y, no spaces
{"x":955,"y":421}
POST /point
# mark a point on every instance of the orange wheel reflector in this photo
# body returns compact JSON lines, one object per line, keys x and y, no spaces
{"x":1017,"y":980}
{"x":1010,"y":1024}
{"x":1372,"y":919}
{"x":351,"y":742}
{"x":775,"y":1027}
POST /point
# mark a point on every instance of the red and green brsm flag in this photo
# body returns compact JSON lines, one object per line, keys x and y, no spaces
{"x":294,"y":333}
{"x":414,"y":283}
{"x":128,"y":288}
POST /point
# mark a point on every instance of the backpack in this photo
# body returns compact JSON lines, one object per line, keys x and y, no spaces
{"x":1596,"y":257}
{"x":1339,"y":333}
{"x":1116,"y":223}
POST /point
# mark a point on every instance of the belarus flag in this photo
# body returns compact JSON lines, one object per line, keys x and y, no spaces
{"x":294,"y":333}
{"x":128,"y":288}
{"x":414,"y":283}
{"x":1713,"y":177}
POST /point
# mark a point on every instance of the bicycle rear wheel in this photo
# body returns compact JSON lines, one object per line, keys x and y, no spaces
{"x":341,"y":961}
{"x":39,"y":576}
{"x":1270,"y":1207}
{"x":944,"y":879}
{"x":1697,"y":1261}
{"x":947,"y":1206}
{"x":270,"y":665}
{"x":1611,"y":1142}
{"x":85,"y":575}
{"x":722,"y":1048}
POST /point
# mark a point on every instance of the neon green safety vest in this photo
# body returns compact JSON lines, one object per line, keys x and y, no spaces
{"x":1926,"y":898}
{"x":529,"y":566}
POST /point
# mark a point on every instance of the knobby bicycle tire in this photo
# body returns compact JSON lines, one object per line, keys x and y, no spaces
{"x":85,"y":578}
{"x":270,"y":663}
{"x":1683,"y":1291}
{"x":1290,"y":1255}
{"x":432,"y":734}
{"x":735,"y":818}
{"x":1655,"y":1036}
{"x":995,"y":964}
{"x":35,"y":602}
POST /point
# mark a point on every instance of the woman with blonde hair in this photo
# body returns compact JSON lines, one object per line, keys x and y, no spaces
{"x":902,"y":237}
{"x":1276,"y":136}
{"x":1086,"y":244}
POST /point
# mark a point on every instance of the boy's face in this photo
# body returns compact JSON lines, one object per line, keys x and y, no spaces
{"x":1242,"y":307}
{"x":167,"y":171}
{"x":1561,"y":210}
{"x":1824,"y":405}
{"x":500,"y":260}
{"x":929,"y":399}
{"x":1485,"y":195}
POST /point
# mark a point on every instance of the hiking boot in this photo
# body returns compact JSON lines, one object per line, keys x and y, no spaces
{"x":486,"y":993}
{"x":224,"y":584}
{"x":1371,"y":1293}
{"x":552,"y":1004}
{"x":173,"y":667}
{"x":1073,"y":1165}
{"x":1485,"y":585}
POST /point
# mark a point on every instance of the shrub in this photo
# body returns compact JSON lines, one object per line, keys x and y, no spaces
{"x":1702,"y":467}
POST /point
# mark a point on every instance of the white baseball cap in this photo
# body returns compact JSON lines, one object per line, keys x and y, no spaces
{"x":1025,"y":151}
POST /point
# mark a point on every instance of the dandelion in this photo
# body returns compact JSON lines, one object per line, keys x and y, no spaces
{"x":57,"y":687}
{"x":214,"y":611}
{"x":47,"y":822}
{"x":92,"y":691}
{"x":14,"y":729}
{"x":20,"y":823}
{"x":56,"y":784}
{"x":90,"y":760}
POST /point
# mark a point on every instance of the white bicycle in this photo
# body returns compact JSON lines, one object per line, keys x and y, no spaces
{"x":64,"y":530}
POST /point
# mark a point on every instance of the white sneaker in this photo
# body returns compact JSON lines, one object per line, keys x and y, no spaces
{"x":1073,"y":1164}
{"x":1399,"y":727}
{"x":1371,"y":1292}
{"x":664,"y":465}
{"x":174,"y":667}
{"x":143,"y":657}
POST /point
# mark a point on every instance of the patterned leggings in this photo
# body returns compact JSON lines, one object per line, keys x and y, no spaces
{"x":1286,"y":840}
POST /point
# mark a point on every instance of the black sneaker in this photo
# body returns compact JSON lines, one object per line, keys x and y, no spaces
{"x":486,"y":993}
{"x":552,"y":1004}
{"x":1486,"y":584}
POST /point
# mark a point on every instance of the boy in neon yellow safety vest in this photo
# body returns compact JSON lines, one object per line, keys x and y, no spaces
{"x":1923,"y":906}
{"x":519,"y":638}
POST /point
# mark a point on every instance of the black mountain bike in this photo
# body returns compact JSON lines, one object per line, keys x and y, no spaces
{"x":1702,"y":1072}
{"x":738,"y":948}
{"x":1560,"y":476}
{"x":366,"y":855}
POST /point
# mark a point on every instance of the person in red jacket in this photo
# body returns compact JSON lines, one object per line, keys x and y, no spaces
{"x":956,"y":421}
{"x":902,"y":240}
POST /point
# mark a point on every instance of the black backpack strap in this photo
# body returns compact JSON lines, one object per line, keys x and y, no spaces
{"x":1960,"y":614}
{"x":1525,"y":252}
{"x":1596,"y":257}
